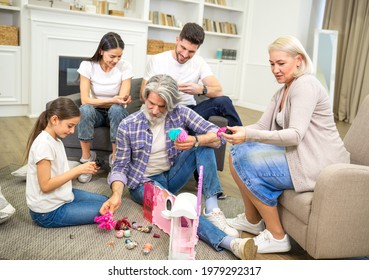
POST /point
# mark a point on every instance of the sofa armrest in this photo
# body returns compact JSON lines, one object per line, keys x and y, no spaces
{"x":76,"y":97}
{"x":338,"y":225}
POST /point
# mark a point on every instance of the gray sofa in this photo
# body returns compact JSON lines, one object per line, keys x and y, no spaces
{"x":332,"y":221}
{"x":101,"y":143}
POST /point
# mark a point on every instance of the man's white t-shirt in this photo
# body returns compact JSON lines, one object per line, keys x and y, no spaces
{"x":105,"y":84}
{"x":158,"y":161}
{"x":46,"y":147}
{"x":193,"y":71}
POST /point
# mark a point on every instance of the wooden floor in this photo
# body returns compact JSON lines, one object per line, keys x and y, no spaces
{"x":15,"y":130}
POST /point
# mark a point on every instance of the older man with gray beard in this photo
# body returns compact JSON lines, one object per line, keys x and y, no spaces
{"x":145,"y":153}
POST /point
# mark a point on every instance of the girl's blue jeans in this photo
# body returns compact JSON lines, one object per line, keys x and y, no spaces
{"x":92,"y":117}
{"x":82,"y":210}
{"x":176,"y":178}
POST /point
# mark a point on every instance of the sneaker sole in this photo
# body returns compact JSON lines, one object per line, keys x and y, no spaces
{"x":84,"y":181}
{"x":243,"y":228}
{"x":249,"y":250}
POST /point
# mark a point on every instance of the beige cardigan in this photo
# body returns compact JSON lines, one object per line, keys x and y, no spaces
{"x":309,"y":131}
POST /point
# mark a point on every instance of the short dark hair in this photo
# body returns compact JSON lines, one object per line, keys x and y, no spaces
{"x":193,"y":33}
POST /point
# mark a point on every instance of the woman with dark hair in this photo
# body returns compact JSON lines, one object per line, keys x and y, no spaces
{"x":105,"y":83}
{"x":51,"y":199}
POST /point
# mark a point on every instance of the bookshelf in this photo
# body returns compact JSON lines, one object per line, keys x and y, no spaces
{"x":10,"y":53}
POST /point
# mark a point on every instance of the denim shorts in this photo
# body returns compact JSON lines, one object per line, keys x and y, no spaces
{"x":263,"y":168}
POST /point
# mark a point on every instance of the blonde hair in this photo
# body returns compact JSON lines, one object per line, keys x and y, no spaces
{"x":293,"y":47}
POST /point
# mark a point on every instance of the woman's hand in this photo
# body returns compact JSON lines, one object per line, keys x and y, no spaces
{"x":238,"y":134}
{"x":122,"y":100}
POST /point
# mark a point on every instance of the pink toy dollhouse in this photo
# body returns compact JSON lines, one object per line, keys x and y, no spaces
{"x":176,"y":215}
{"x":156,"y":206}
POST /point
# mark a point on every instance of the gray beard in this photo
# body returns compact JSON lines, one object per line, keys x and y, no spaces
{"x":153,"y":121}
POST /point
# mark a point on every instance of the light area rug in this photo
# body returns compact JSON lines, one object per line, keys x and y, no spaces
{"x":21,"y":239}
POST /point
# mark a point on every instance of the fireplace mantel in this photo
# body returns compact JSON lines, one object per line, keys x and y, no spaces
{"x":57,"y":32}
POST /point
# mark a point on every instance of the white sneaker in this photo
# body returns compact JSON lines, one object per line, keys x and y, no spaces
{"x":244,"y":248}
{"x":242,"y":224}
{"x":218,"y":219}
{"x":85,"y":178}
{"x":6,"y":209}
{"x":266,"y":243}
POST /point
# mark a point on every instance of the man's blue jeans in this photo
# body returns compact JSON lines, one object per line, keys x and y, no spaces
{"x":92,"y":117}
{"x":177,"y":177}
{"x":82,"y":210}
{"x":218,"y":106}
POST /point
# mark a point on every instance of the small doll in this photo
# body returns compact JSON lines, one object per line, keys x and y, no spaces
{"x":178,"y":134}
{"x":105,"y":221}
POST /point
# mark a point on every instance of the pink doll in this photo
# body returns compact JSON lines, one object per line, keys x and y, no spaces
{"x":105,"y":221}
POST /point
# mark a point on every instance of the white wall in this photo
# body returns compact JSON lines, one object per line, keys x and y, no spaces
{"x":266,"y":21}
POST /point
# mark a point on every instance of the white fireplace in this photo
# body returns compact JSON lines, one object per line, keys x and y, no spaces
{"x":61,"y":33}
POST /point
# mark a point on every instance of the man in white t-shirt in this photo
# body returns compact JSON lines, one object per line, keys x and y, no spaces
{"x":193,"y":75}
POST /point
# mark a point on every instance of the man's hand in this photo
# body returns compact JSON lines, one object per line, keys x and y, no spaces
{"x":185,"y":145}
{"x":111,"y":205}
{"x":190,"y":88}
{"x":114,"y":202}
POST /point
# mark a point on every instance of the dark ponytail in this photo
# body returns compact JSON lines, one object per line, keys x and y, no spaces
{"x":62,"y":107}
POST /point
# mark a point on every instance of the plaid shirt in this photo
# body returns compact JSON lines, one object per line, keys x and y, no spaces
{"x":134,"y":141}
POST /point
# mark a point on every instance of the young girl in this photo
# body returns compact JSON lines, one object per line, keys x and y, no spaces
{"x":50,"y":197}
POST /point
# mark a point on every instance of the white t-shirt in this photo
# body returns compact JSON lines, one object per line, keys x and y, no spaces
{"x":46,"y":147}
{"x":193,"y":71}
{"x":105,"y":84}
{"x":158,"y":161}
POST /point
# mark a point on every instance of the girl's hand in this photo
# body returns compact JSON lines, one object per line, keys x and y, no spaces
{"x":88,"y":168}
{"x":238,"y":135}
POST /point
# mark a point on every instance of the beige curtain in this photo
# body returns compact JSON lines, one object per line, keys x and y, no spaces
{"x":351,"y":19}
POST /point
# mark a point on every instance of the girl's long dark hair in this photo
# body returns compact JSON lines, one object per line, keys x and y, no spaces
{"x":109,"y":41}
{"x":62,"y":107}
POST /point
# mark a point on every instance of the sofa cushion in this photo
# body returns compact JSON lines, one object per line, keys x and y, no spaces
{"x":135,"y":105}
{"x":297,"y":203}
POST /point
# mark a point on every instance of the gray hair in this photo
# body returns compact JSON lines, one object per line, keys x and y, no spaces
{"x":166,"y":87}
{"x":293,"y":47}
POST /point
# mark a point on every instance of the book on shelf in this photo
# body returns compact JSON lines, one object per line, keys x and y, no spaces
{"x":229,"y":54}
{"x":163,"y":19}
{"x":220,"y":27}
{"x":217,"y":2}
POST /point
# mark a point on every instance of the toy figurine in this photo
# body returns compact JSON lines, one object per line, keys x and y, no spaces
{"x":130,"y":245}
{"x":178,"y":134}
{"x":147,"y":248}
{"x":105,"y":221}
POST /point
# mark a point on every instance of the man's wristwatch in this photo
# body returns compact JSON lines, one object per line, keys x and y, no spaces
{"x":197,"y":142}
{"x":204,"y":90}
